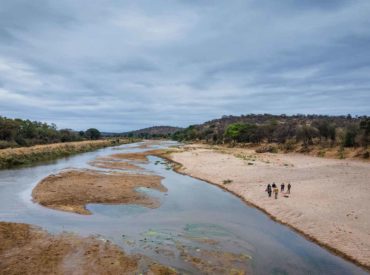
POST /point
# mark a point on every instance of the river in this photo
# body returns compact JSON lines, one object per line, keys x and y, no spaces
{"x":195,"y":220}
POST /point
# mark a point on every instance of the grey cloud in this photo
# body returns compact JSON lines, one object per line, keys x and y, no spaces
{"x":120,"y":65}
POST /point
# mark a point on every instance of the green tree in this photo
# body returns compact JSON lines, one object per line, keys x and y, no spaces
{"x":8,"y":129}
{"x":92,"y":133}
{"x":306,"y":133}
{"x":243,"y":132}
{"x":350,"y":135}
{"x":234,"y":131}
{"x":67,"y":135}
{"x":365,"y":128}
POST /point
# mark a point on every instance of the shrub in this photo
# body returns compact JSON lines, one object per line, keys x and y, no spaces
{"x":341,"y":152}
{"x":321,"y":153}
{"x":92,"y":133}
{"x":289,"y":145}
{"x":267,"y":149}
{"x":6,"y":144}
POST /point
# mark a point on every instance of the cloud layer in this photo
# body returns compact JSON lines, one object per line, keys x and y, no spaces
{"x":121,"y":65}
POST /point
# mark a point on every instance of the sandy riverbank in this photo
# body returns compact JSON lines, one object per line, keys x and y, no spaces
{"x":329,"y":201}
{"x":72,"y":190}
{"x":28,"y":250}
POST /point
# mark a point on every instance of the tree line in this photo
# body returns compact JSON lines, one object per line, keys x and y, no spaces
{"x":306,"y":130}
{"x":19,"y":132}
{"x":156,"y":132}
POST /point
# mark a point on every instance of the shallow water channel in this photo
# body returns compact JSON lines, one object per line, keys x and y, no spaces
{"x":198,"y":227}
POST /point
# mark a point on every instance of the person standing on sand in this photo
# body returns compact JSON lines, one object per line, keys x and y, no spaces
{"x":282,"y":186}
{"x":289,"y":186}
{"x":269,"y":190}
{"x":276,"y":192}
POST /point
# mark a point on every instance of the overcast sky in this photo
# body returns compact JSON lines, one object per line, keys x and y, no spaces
{"x":121,"y":65}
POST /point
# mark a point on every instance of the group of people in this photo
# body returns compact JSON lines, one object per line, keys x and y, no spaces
{"x":273,"y":188}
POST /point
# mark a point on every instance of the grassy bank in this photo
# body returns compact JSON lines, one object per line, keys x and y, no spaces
{"x":13,"y":157}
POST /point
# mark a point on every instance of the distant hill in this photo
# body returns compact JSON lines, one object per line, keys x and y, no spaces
{"x":110,"y":134}
{"x":153,"y":132}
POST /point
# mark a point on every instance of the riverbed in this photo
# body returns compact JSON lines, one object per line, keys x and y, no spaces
{"x":198,"y":227}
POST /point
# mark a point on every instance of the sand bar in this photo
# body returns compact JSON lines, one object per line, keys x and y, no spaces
{"x":72,"y":190}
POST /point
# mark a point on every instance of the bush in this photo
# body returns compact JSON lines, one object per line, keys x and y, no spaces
{"x":92,"y":133}
{"x":6,"y":144}
{"x":305,"y":148}
{"x":267,"y":149}
{"x":341,"y":152}
{"x":227,"y":181}
{"x":321,"y":153}
{"x":366,"y":155}
{"x":289,"y":145}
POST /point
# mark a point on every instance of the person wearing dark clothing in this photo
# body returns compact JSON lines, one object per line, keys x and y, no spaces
{"x":269,"y":190}
{"x":282,"y":186}
{"x":289,"y":186}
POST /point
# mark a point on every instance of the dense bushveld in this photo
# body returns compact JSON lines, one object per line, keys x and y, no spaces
{"x":290,"y":133}
{"x":20,"y":133}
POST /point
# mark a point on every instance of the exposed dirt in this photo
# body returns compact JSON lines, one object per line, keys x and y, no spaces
{"x":72,"y":190}
{"x":28,"y":250}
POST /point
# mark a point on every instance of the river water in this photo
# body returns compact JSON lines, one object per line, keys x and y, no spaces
{"x":197,"y":227}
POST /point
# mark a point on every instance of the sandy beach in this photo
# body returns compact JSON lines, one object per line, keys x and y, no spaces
{"x":329,"y":199}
